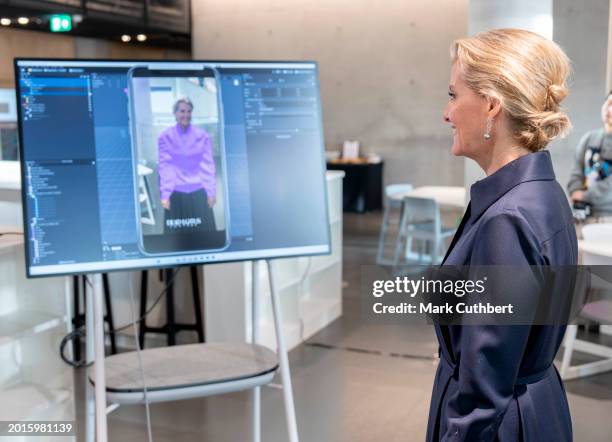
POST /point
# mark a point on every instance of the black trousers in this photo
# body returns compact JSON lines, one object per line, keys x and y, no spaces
{"x":189,"y":212}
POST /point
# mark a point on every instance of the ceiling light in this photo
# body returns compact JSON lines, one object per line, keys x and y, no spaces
{"x":125,"y":38}
{"x":141,"y":37}
{"x":5,"y":21}
{"x":23,"y":20}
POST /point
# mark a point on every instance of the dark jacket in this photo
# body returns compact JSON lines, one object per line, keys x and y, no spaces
{"x":498,"y":382}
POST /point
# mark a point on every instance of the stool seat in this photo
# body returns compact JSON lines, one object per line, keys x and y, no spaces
{"x":185,"y":371}
{"x":598,"y":311}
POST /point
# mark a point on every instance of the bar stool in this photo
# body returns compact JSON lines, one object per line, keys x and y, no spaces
{"x":394,"y":199}
{"x":421,"y":223}
{"x":171,"y":328}
{"x":595,"y":312}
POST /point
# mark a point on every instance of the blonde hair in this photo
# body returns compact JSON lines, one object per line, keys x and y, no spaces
{"x":526,"y":73}
{"x":184,"y":100}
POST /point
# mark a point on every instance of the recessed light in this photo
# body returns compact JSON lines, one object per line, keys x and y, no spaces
{"x":141,"y":37}
{"x":125,"y":38}
{"x":23,"y":20}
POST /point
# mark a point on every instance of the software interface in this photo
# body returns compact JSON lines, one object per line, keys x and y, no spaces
{"x":143,"y":164}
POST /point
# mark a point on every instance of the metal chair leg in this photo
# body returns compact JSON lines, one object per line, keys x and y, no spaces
{"x":568,"y":349}
{"x":144,"y":279}
{"x":402,"y":233}
{"x":170,"y":322}
{"x":109,"y":313}
{"x":76,"y":313}
{"x":196,"y":303}
{"x":383,"y":231}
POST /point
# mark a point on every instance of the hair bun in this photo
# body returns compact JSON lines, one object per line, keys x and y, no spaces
{"x":555,"y":93}
{"x":545,"y":126}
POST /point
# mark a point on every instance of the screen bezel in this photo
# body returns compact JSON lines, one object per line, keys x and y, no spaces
{"x":294,"y":251}
{"x":148,"y":242}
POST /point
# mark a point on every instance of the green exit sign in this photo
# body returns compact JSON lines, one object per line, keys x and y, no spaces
{"x":60,"y":23}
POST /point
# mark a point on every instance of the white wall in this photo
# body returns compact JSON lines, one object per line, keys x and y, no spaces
{"x":384,"y":68}
{"x":537,"y":16}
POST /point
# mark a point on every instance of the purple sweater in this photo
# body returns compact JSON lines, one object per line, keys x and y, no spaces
{"x":186,"y":161}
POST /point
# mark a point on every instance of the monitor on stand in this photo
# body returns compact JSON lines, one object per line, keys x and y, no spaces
{"x":142,"y":164}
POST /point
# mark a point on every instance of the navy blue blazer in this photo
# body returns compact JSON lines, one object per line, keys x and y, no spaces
{"x":498,"y":382}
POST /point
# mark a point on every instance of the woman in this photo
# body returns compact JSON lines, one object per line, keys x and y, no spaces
{"x":187,"y":174}
{"x":591,"y":178}
{"x":498,"y":382}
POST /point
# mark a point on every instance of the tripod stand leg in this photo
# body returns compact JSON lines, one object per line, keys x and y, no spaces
{"x":90,"y":414}
{"x":254,"y":338}
{"x":283,"y":359}
{"x":98,"y":347}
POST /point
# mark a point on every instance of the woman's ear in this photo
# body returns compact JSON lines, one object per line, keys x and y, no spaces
{"x":494,"y":107}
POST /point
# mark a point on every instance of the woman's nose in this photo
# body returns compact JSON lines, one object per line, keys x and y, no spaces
{"x":445,"y":115}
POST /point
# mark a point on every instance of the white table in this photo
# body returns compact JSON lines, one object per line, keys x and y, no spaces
{"x":450,"y":197}
{"x":597,"y":249}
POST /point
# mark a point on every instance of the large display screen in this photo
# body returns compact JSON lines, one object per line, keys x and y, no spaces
{"x":140,"y":164}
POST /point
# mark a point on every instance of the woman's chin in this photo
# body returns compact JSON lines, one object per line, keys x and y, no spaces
{"x":457,"y":150}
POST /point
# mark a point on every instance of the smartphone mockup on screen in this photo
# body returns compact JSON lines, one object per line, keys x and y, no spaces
{"x":176,"y":124}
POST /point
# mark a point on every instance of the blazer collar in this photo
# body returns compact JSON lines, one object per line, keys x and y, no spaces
{"x":531,"y":167}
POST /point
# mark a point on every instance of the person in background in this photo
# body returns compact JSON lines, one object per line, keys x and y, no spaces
{"x":590,"y":182}
{"x":187,"y":174}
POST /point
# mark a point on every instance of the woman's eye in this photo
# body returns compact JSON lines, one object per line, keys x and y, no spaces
{"x":451,"y":94}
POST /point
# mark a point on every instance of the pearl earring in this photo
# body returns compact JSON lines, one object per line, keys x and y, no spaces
{"x":487,"y":135}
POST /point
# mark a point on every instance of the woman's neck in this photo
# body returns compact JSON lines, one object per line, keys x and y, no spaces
{"x":500,"y":154}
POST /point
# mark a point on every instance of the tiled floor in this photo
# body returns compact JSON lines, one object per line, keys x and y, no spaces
{"x":354,"y":381}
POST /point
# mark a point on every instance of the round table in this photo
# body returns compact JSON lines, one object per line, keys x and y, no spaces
{"x":600,"y":251}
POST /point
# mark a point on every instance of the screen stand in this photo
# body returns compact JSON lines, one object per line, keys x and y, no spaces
{"x":96,"y":395}
{"x":95,"y":353}
{"x":255,"y":271}
{"x":281,"y":352}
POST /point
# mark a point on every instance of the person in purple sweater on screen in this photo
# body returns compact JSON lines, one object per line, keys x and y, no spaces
{"x":187,"y":174}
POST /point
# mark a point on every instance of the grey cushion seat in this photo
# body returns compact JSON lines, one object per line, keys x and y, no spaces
{"x":184,"y":371}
